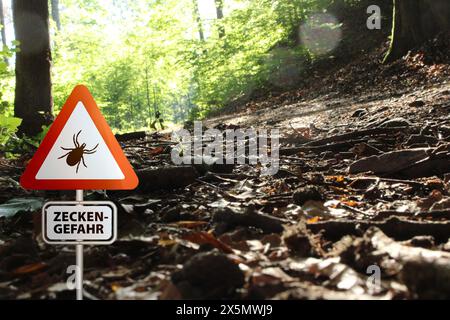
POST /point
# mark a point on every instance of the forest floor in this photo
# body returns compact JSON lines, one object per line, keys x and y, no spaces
{"x":360,"y":208}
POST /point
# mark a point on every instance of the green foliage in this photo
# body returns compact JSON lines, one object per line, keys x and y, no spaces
{"x":6,"y":80}
{"x":126,"y":54}
{"x":235,"y":65}
{"x":143,"y":57}
{"x":8,"y":123}
{"x":10,"y":143}
{"x":261,"y":49}
{"x":8,"y":127}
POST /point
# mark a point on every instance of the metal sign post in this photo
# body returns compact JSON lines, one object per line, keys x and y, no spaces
{"x":79,"y":152}
{"x":78,"y":223}
{"x":79,"y":257}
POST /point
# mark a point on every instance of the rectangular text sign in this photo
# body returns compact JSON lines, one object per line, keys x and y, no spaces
{"x":86,"y":222}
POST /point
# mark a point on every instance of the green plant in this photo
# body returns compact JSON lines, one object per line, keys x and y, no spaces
{"x":8,"y":128}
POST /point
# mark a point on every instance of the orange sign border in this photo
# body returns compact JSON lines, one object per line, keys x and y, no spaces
{"x":80,"y":93}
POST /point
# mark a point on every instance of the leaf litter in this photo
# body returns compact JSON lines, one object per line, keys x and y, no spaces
{"x":360,"y":208}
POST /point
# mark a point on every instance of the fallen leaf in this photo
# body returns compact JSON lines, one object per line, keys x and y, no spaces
{"x":189,"y":224}
{"x":156,"y":151}
{"x":207,"y":238}
{"x":167,"y":242}
{"x":29,"y":268}
{"x":313,"y":220}
{"x":16,"y":205}
{"x":337,"y":179}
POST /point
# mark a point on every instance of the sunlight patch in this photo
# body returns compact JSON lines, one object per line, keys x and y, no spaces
{"x":321,"y":33}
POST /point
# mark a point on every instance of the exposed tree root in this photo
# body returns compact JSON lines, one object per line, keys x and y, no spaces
{"x":395,"y":227}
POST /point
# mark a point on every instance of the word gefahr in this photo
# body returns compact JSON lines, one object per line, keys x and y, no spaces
{"x":89,"y":228}
{"x":79,"y":227}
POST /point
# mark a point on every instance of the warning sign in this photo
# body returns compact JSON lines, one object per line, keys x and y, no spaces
{"x":86,"y":222}
{"x":79,"y":151}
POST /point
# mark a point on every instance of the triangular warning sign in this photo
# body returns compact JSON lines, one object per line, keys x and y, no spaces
{"x":79,"y":151}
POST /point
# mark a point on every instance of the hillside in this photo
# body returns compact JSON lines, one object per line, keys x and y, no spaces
{"x":359,"y":208}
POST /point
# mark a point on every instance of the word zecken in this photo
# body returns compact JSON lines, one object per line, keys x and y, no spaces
{"x":77,"y":216}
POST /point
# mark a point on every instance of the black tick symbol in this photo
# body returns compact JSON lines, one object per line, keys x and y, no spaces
{"x":75,"y":155}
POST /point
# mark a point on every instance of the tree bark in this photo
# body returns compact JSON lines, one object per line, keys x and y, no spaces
{"x":2,"y":22}
{"x":3,"y":31}
{"x":414,"y":22}
{"x":55,"y":13}
{"x":198,"y":19}
{"x":33,"y":100}
{"x":219,"y":13}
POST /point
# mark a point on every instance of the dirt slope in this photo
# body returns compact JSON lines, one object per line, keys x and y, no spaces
{"x":363,"y":189}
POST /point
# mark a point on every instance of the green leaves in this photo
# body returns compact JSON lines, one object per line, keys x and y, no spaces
{"x":10,"y":123}
{"x":138,"y":57}
{"x":8,"y":127}
{"x":16,"y":205}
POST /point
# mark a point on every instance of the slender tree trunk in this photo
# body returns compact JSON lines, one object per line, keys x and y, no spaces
{"x":2,"y":22}
{"x":219,"y":13}
{"x":414,"y":22}
{"x":3,"y":31}
{"x":198,"y":19}
{"x":55,"y":13}
{"x":33,"y":100}
{"x":147,"y":95}
{"x":294,"y":21}
{"x":155,"y":105}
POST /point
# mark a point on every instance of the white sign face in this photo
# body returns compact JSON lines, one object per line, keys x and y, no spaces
{"x":73,"y":222}
{"x":92,"y":158}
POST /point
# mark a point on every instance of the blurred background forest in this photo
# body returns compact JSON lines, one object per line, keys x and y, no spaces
{"x":183,"y":58}
{"x":361,"y":99}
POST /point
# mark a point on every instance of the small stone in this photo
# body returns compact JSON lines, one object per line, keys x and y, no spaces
{"x":421,"y":139}
{"x":426,"y":242}
{"x":396,"y":122}
{"x":417,"y":104}
{"x":359,"y":113}
{"x":306,"y":193}
{"x":443,"y":204}
{"x":209,"y":275}
{"x":300,"y":241}
{"x":446,"y":247}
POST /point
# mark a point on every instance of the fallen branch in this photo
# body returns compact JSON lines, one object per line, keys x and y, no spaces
{"x":394,"y":227}
{"x":335,"y":147}
{"x":357,"y":134}
{"x":435,"y":214}
{"x":266,"y":223}
{"x":389,"y":162}
{"x":170,"y":177}
{"x":427,"y":168}
{"x":425,"y":272}
{"x":407,"y":163}
{"x":376,"y":180}
{"x":313,"y":292}
{"x":131,"y":136}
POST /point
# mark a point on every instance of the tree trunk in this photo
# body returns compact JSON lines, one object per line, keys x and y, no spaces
{"x":198,"y":19}
{"x":33,"y":101}
{"x":55,"y":13}
{"x":414,"y":22}
{"x":3,"y":31}
{"x":219,"y":13}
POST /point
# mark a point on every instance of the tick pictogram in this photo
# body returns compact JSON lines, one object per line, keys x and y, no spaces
{"x":76,"y":155}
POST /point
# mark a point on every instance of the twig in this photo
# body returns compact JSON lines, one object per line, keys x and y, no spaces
{"x":356,"y":134}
